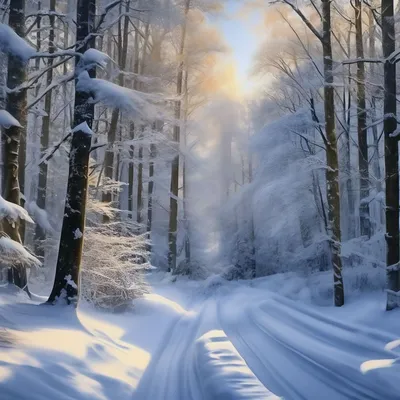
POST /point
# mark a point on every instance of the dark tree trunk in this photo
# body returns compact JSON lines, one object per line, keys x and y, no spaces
{"x":131,"y":170}
{"x":184,"y":171}
{"x":174,"y":188}
{"x":14,"y":145}
{"x":365,"y":226}
{"x":347,"y":153}
{"x":376,"y":152}
{"x":40,"y":234}
{"x":332,"y":172}
{"x":112,"y":132}
{"x":139,"y":199}
{"x":66,"y":282}
{"x":391,"y":155}
{"x":132,"y":130}
{"x":150,"y":189}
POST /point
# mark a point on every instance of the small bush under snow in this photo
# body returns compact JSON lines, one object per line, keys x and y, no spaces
{"x":114,"y":260}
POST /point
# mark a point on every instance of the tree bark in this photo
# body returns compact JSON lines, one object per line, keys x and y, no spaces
{"x":139,"y":200}
{"x":174,"y":188}
{"x":14,"y":145}
{"x":150,"y":189}
{"x":347,"y":106}
{"x":132,"y":130}
{"x":332,"y":172}
{"x":66,"y":282}
{"x":376,"y":153}
{"x":112,"y":132}
{"x":40,"y":234}
{"x":184,"y":171}
{"x":391,"y":154}
{"x":365,"y":225}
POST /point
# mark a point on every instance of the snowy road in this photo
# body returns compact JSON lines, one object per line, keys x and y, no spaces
{"x":204,"y":341}
{"x":294,"y":350}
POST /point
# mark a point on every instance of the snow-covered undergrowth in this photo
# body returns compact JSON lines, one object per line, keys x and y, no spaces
{"x":114,"y":261}
{"x":204,"y":340}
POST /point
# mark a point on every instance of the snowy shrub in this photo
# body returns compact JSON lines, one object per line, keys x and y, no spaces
{"x":115,"y":258}
{"x":14,"y":254}
{"x":193,"y":269}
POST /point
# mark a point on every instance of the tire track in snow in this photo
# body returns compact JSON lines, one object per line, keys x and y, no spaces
{"x":171,"y":373}
{"x":193,"y":353}
{"x":288,"y":352}
{"x":260,"y":356}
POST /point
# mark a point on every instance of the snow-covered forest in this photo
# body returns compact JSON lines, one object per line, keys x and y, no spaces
{"x":171,"y":229}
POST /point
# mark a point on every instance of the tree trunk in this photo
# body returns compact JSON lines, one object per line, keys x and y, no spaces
{"x":150,"y":189}
{"x":132,"y":130}
{"x":40,"y":234}
{"x":139,"y":200}
{"x":123,"y":36}
{"x":376,"y":153}
{"x":332,"y":172}
{"x":14,"y":145}
{"x":131,"y":170}
{"x":365,"y":225}
{"x":66,"y":282}
{"x":351,"y":228}
{"x":174,"y":188}
{"x":184,"y":171}
{"x":391,"y":154}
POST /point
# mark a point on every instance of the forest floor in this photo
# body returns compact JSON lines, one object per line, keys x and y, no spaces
{"x":260,"y":339}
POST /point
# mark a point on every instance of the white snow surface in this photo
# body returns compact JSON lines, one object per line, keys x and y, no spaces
{"x":196,"y":340}
{"x":11,"y":43}
{"x":7,"y":120}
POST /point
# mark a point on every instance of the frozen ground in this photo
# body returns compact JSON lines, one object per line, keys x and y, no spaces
{"x":211,"y":340}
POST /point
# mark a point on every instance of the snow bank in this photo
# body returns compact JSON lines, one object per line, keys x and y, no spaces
{"x":225,"y":375}
{"x":62,"y":353}
{"x":69,"y":355}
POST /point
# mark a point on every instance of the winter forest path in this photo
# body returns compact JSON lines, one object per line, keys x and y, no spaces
{"x":212,"y":340}
{"x":234,"y":344}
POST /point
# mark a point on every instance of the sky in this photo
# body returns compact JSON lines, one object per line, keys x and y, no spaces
{"x":239,"y":30}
